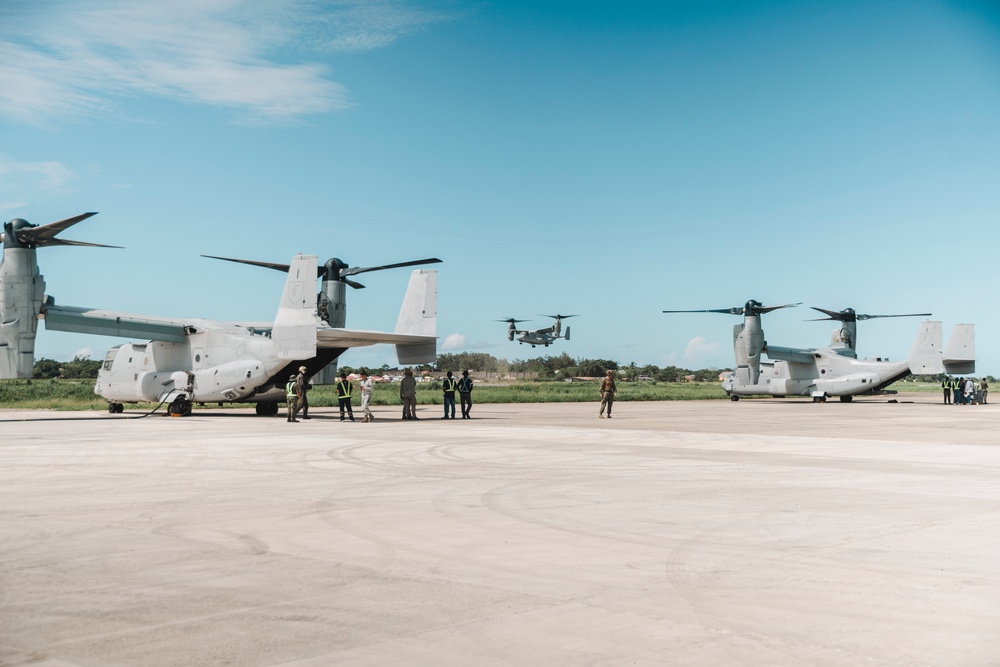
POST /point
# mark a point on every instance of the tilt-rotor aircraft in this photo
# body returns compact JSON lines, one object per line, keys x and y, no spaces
{"x":834,"y":370}
{"x":193,"y":360}
{"x":534,"y":337}
{"x":331,"y":301}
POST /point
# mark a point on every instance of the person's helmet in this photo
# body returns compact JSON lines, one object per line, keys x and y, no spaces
{"x":292,"y":376}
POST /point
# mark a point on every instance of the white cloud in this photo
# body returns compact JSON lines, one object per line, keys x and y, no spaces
{"x":695,"y":353}
{"x":81,"y":58}
{"x":18,"y":179}
{"x":453,"y":341}
{"x":698,"y":348}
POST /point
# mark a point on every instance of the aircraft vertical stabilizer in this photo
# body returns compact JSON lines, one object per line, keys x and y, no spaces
{"x":418,"y":315}
{"x":294,"y":331}
{"x":925,"y":355}
{"x":960,"y":355}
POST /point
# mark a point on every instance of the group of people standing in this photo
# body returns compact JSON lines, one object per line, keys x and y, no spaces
{"x":450,"y":386}
{"x":297,"y":396}
{"x":298,"y":386}
{"x":964,"y":391}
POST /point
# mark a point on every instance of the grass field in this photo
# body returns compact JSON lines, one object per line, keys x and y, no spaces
{"x":79,"y":394}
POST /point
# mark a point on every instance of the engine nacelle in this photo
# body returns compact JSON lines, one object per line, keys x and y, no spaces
{"x":228,"y":382}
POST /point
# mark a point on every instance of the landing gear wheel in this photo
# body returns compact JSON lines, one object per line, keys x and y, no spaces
{"x":267,"y":409}
{"x":116,"y":408}
{"x":846,"y":399}
{"x":734,"y":398}
{"x":179,"y":407}
{"x":819,"y":399}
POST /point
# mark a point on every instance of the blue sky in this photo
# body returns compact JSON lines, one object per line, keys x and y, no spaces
{"x":610,"y":160}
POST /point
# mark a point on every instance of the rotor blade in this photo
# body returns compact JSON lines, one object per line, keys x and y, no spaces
{"x":727,"y":311}
{"x":832,"y":315}
{"x":354,"y":270}
{"x":768,"y":309}
{"x":871,"y":317}
{"x":267,"y":265}
{"x":43,"y":234}
{"x":353,"y":284}
{"x":55,"y":242}
{"x":849,"y":315}
{"x":559,"y":317}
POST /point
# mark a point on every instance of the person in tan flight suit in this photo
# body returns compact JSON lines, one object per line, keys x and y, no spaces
{"x":608,"y":391}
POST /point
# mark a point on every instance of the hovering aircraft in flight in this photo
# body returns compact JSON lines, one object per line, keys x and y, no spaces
{"x":534,"y":337}
{"x":834,"y":370}
{"x":193,"y":360}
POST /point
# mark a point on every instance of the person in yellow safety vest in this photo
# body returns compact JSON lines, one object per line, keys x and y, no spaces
{"x":344,"y":396}
{"x":449,"y":387}
{"x":292,"y":397}
{"x":956,"y":392}
{"x":946,"y":385}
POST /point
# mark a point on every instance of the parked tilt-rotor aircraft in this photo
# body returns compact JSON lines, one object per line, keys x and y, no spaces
{"x":197,"y":360}
{"x":22,"y":289}
{"x":835,"y":370}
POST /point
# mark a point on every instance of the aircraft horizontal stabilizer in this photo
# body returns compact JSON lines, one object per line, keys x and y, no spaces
{"x":960,"y":355}
{"x":334,"y":338}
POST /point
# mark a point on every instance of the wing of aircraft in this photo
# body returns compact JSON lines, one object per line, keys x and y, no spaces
{"x":127,"y":325}
{"x":113,"y":323}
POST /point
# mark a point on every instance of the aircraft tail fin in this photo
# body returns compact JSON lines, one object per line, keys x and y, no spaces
{"x":418,"y":315}
{"x":567,"y":333}
{"x":294,"y":330}
{"x":960,"y":354}
{"x":925,"y":355}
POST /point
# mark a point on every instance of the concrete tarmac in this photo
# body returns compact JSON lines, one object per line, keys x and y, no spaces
{"x":763,"y":532}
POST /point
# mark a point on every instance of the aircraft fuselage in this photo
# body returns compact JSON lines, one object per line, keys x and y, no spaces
{"x":210,"y":366}
{"x":827,"y":374}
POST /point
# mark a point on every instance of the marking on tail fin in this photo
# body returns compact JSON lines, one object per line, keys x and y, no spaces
{"x":925,"y":355}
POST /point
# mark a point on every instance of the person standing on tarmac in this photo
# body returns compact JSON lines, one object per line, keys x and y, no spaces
{"x":303,"y":384}
{"x":292,"y":398}
{"x":946,"y":386}
{"x":956,"y":386}
{"x":344,"y":388}
{"x":366,"y":396}
{"x":465,"y":394}
{"x":449,"y":388}
{"x":608,"y":391}
{"x":408,"y":394}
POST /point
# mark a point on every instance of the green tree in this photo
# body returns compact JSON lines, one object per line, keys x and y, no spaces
{"x":46,"y":368}
{"x":81,"y":367}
